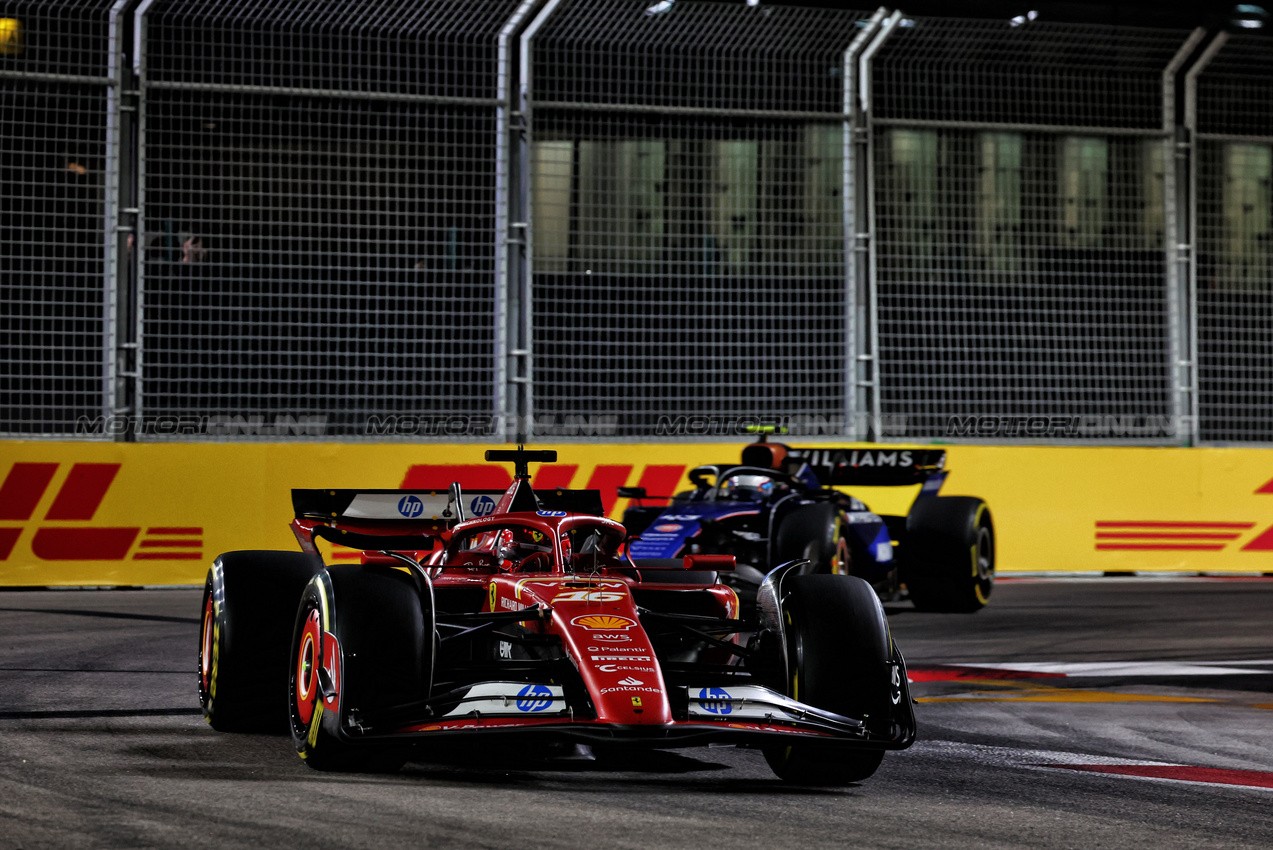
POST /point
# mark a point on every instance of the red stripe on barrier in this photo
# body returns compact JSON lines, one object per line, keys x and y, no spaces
{"x":472,"y":476}
{"x":8,"y":537}
{"x":550,"y":476}
{"x":1106,"y":524}
{"x":1167,"y":535}
{"x":661,"y":479}
{"x":1262,"y":542}
{"x":23,"y":487}
{"x":82,"y":491}
{"x":83,"y":544}
{"x":1183,"y":773}
{"x":174,"y":531}
{"x":167,"y":556}
{"x":1178,"y":547}
{"x":176,"y":544}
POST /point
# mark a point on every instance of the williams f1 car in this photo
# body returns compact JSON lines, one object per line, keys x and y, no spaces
{"x":535,"y":622}
{"x":780,"y":504}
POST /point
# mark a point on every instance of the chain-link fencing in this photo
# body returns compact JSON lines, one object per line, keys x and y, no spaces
{"x":55,"y":289}
{"x":628,"y":219}
{"x":1234,"y":238}
{"x":1022,"y":235}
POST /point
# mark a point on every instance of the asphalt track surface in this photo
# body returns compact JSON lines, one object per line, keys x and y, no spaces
{"x":1118,"y":713}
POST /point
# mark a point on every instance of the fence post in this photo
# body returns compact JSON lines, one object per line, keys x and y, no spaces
{"x":1180,"y":250}
{"x":119,"y":338}
{"x":869,"y":356}
{"x":1185,"y":381}
{"x":856,"y":244}
{"x":511,"y":234}
{"x":524,"y":352}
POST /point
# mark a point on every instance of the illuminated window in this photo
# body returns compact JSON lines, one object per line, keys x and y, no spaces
{"x":999,"y":200}
{"x":1084,"y":176}
{"x":1247,"y":208}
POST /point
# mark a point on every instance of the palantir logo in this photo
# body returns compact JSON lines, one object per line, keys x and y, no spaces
{"x":482,"y":506}
{"x":534,"y":698}
{"x":716,"y":700}
{"x":410,"y":506}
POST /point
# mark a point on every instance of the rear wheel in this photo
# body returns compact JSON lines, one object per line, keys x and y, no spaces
{"x":839,"y":658}
{"x":949,"y":555}
{"x":363,"y":642}
{"x":249,"y":600}
{"x":816,"y":533}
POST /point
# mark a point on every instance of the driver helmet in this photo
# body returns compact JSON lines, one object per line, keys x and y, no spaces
{"x":747,"y":487}
{"x":516,"y":544}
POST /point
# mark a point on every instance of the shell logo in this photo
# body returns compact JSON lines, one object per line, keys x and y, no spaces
{"x":603,"y":622}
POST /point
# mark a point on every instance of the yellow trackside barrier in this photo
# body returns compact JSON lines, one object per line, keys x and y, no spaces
{"x":77,"y":513}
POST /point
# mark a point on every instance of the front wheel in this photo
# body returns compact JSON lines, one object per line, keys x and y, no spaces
{"x":815,"y":533}
{"x":839,"y":658}
{"x":949,"y":554}
{"x":363,"y":642}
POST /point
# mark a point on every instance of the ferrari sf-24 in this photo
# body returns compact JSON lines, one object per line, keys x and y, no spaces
{"x":535,"y":624}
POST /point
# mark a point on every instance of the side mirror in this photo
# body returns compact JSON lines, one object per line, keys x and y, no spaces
{"x":719,"y":563}
{"x":631,"y":493}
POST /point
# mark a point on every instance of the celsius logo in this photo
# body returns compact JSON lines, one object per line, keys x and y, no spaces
{"x":410,"y":506}
{"x":716,"y":700}
{"x":482,"y":506}
{"x":534,"y":698}
{"x":615,"y":668}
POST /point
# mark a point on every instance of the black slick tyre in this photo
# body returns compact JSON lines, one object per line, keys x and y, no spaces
{"x":949,"y":555}
{"x":363,"y":642}
{"x":839,"y":658}
{"x":249,"y":602}
{"x":815,"y":532}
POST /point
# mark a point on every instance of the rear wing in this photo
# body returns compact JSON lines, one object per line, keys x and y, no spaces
{"x":863,"y":467}
{"x":373,"y":519}
{"x":375,"y":505}
{"x":414,"y":519}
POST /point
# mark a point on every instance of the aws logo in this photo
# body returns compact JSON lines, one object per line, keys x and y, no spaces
{"x":64,"y":532}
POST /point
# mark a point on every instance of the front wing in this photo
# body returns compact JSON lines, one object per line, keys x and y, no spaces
{"x":748,"y":715}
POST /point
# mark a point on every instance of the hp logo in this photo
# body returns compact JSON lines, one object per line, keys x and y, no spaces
{"x":410,"y":506}
{"x":534,"y":698}
{"x":482,"y":506}
{"x":716,"y":700}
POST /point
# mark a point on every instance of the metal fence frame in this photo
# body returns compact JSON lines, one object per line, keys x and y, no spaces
{"x":514,"y":408}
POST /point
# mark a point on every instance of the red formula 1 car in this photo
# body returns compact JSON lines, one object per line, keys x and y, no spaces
{"x":533,"y":622}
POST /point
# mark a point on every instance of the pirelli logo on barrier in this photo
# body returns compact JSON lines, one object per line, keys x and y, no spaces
{"x":65,"y":530}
